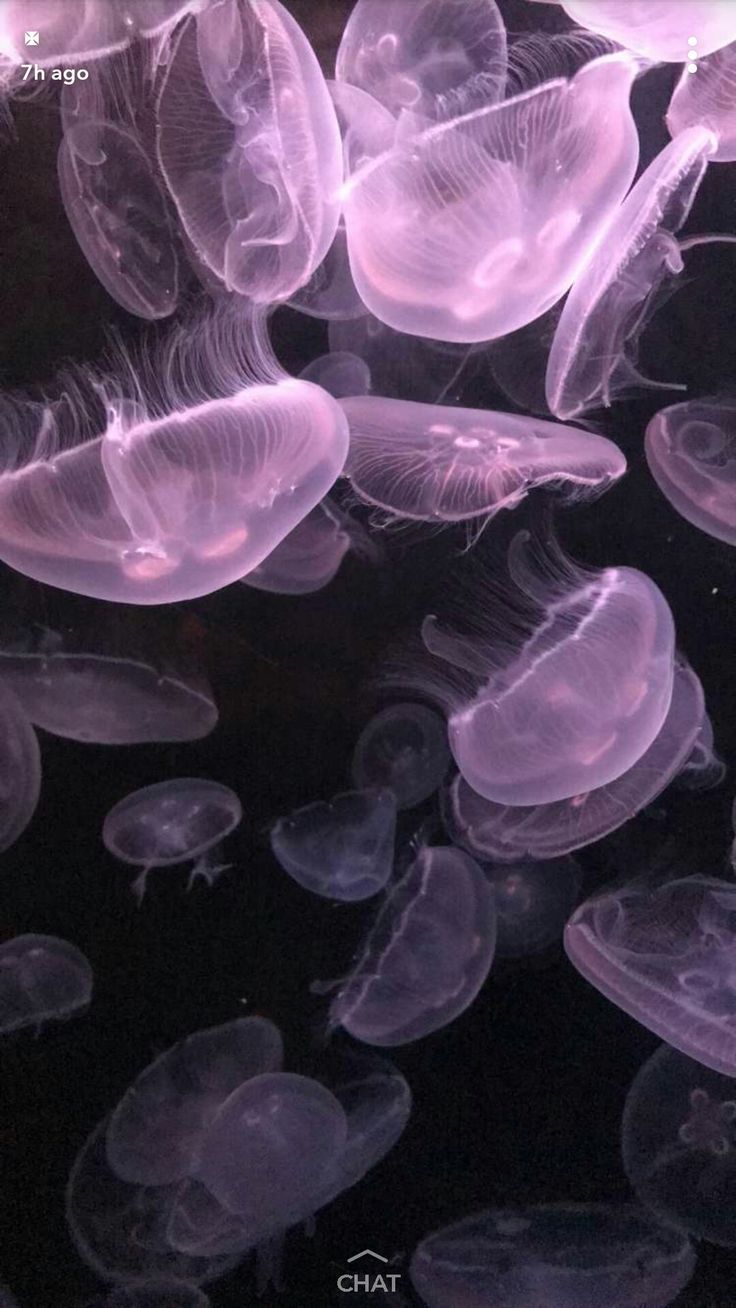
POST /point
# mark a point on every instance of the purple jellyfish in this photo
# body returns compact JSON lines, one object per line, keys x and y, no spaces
{"x":691,"y":452}
{"x":440,"y":464}
{"x":704,"y":770}
{"x":76,"y":31}
{"x":708,"y":100}
{"x":404,"y":748}
{"x":340,"y":373}
{"x":42,"y":979}
{"x":402,"y":366}
{"x":343,"y":849}
{"x":330,"y":293}
{"x":20,"y":769}
{"x":308,"y":558}
{"x":657,"y":29}
{"x":664,"y":954}
{"x":533,"y":902}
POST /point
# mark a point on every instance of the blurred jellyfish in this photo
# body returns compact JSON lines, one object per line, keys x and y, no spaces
{"x":330,"y":293}
{"x":403,"y":748}
{"x":508,"y":833}
{"x":657,"y":29}
{"x":426,"y":956}
{"x":20,"y":769}
{"x":172,"y":483}
{"x":178,"y":821}
{"x":399,"y":365}
{"x":440,"y":464}
{"x":340,"y":373}
{"x":664,"y":954}
{"x":708,"y":100}
{"x":553,"y":1256}
{"x":691,"y":452}
{"x":158,"y":1294}
{"x":476,"y":226}
{"x":678,"y":1139}
{"x":310,"y":556}
{"x":704,"y":770}
{"x":533,"y":903}
{"x":42,"y":979}
{"x":75,"y":31}
{"x":593,"y":354}
{"x":154,"y":1135}
{"x":343,"y":849}
{"x":249,"y":145}
{"x":428,"y":57}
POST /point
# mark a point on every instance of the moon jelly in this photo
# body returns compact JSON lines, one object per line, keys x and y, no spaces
{"x":20,"y":769}
{"x":709,"y":100}
{"x":343,"y":849}
{"x":665,"y":955}
{"x":158,"y":1294}
{"x":330,"y":293}
{"x":553,"y":1256}
{"x":678,"y":1139}
{"x":704,"y":770}
{"x":339,"y":373}
{"x":427,"y":955}
{"x":476,"y":226}
{"x":309,"y":557}
{"x":439,"y":464}
{"x":607,"y":306}
{"x":691,"y":452}
{"x":42,"y":979}
{"x":658,"y":29}
{"x":533,"y":903}
{"x":74,"y":31}
{"x":404,"y":748}
{"x":401,"y":366}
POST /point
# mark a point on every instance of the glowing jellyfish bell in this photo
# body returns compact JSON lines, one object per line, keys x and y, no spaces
{"x":657,"y":29}
{"x":478,"y":225}
{"x":343,"y":849}
{"x":404,"y":747}
{"x":708,"y":100}
{"x":42,"y":979}
{"x":164,"y":497}
{"x":691,"y":452}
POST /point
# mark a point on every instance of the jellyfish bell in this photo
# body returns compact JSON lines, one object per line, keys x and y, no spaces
{"x":330,"y":292}
{"x":657,"y":29}
{"x":401,"y":366}
{"x":691,"y":452}
{"x":340,"y":372}
{"x":704,"y":769}
{"x":708,"y":100}
{"x":404,"y":747}
{"x":20,"y":769}
{"x":42,"y":979}
{"x":533,"y":902}
{"x":342,"y":849}
{"x":74,"y":32}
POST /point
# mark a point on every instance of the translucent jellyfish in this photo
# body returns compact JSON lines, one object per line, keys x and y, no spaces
{"x":250,"y":148}
{"x":75,"y":31}
{"x":343,"y":849}
{"x":426,"y":55}
{"x":426,"y":956}
{"x":658,"y":29}
{"x":553,"y":1256}
{"x":704,"y":770}
{"x":691,"y":452}
{"x":593,"y":354}
{"x":158,"y":1294}
{"x":172,"y":483}
{"x":340,"y":373}
{"x":708,"y":99}
{"x":476,"y":226}
{"x":533,"y":903}
{"x":665,"y":955}
{"x":42,"y":979}
{"x":20,"y":769}
{"x":509,"y":833}
{"x":177,"y":821}
{"x":307,"y":560}
{"x":431,"y":463}
{"x":678,"y":1139}
{"x":330,"y":293}
{"x":400,"y":365}
{"x":404,"y":748}
{"x":155,"y":1133}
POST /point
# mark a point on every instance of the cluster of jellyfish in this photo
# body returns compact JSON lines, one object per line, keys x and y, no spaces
{"x":442,"y":185}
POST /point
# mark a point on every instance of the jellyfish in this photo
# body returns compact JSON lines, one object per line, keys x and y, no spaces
{"x":704,"y":770}
{"x":20,"y":769}
{"x":553,"y":1256}
{"x":42,"y":979}
{"x":158,"y":1294}
{"x":476,"y":226}
{"x":340,"y":373}
{"x":533,"y":902}
{"x":678,"y":1138}
{"x":154,"y":1135}
{"x":330,"y":293}
{"x":309,"y":558}
{"x":249,"y":146}
{"x":427,"y":954}
{"x":665,"y":955}
{"x":708,"y":100}
{"x":691,"y":452}
{"x":76,"y":31}
{"x":504,"y":833}
{"x":403,"y":748}
{"x":343,"y":849}
{"x":441,"y":464}
{"x":178,"y":821}
{"x":172,"y":483}
{"x":592,"y":358}
{"x":657,"y":29}
{"x":400,"y":366}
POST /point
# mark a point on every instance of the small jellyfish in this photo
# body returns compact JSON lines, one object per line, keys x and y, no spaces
{"x":665,"y":955}
{"x":657,"y":29}
{"x":533,"y":903}
{"x":330,"y":293}
{"x":704,"y":770}
{"x":553,"y":1256}
{"x":157,"y":1294}
{"x":426,"y":956}
{"x":403,"y":748}
{"x":708,"y":99}
{"x":401,"y":366}
{"x":678,"y":1139}
{"x":42,"y":979}
{"x":176,"y":821}
{"x":437,"y":464}
{"x":691,"y":452}
{"x":340,"y":373}
{"x":20,"y":769}
{"x":309,"y":557}
{"x":343,"y":849}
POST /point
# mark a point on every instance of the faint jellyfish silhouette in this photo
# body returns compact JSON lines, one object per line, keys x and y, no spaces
{"x":704,"y":770}
{"x":155,"y":1132}
{"x":657,"y":29}
{"x":477,"y":226}
{"x":553,"y":1256}
{"x":250,"y":148}
{"x":310,"y":556}
{"x":708,"y":100}
{"x":133,"y":495}
{"x":343,"y":849}
{"x":75,"y":32}
{"x":439,"y":464}
{"x":402,"y":366}
{"x":691,"y":452}
{"x":42,"y":979}
{"x":664,"y":954}
{"x":593,"y":354}
{"x":533,"y":903}
{"x":20,"y":769}
{"x":340,"y":373}
{"x":178,"y":821}
{"x":426,"y":956}
{"x":678,"y":1139}
{"x":158,"y":1294}
{"x":508,"y":833}
{"x":330,"y":293}
{"x":404,"y":748}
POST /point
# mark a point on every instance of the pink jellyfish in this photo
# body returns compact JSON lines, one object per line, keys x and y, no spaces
{"x":76,"y":31}
{"x":691,"y":452}
{"x":657,"y":29}
{"x":708,"y":100}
